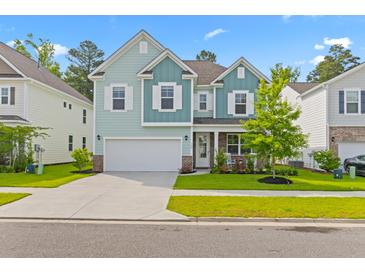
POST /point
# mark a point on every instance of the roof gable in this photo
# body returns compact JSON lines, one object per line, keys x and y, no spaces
{"x":301,"y":87}
{"x":28,"y":68}
{"x":207,"y":71}
{"x":112,"y":58}
{"x":167,"y":54}
{"x":246,"y":64}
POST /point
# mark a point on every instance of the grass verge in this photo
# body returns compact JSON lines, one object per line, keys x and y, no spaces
{"x":6,"y":198}
{"x":269,"y":207}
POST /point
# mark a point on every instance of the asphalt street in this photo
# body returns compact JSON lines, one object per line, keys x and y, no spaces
{"x":108,"y":239}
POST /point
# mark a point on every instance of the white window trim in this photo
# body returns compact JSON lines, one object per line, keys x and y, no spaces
{"x":141,"y":43}
{"x":173,"y":84}
{"x":358,"y":103}
{"x":8,"y":104}
{"x":240,"y":92}
{"x":244,"y":72}
{"x":206,"y":93}
{"x":122,"y":85}
{"x":239,"y":144}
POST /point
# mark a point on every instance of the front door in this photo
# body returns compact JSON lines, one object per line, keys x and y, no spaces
{"x":202,"y":150}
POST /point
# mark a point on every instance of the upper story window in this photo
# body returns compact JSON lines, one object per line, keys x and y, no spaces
{"x":64,"y":104}
{"x":352,"y":101}
{"x":69,"y":106}
{"x":118,"y":98}
{"x":84,"y":116}
{"x":203,"y":101}
{"x":143,"y":47}
{"x":167,"y":97}
{"x":240,"y":103}
{"x":235,"y":145}
{"x":5,"y":96}
{"x":241,"y":73}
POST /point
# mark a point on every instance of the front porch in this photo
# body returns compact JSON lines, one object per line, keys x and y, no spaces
{"x":206,"y":144}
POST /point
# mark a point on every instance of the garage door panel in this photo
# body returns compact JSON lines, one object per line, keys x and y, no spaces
{"x":142,"y":154}
{"x":349,"y":150}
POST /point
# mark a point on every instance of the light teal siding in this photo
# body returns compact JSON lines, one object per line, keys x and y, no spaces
{"x":231,"y":82}
{"x":167,"y":71}
{"x":128,"y":124}
{"x":203,"y":114}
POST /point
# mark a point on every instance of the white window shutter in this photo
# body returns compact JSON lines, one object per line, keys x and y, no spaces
{"x":107,"y":98}
{"x":250,"y":103}
{"x":196,"y":101}
{"x":210,"y":101}
{"x":178,"y":97}
{"x":230,"y":101}
{"x":156,"y":97}
{"x":129,"y":98}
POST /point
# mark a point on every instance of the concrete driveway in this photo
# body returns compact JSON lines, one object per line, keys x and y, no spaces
{"x":113,"y":195}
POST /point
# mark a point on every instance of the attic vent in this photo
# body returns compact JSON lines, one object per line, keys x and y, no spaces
{"x":143,"y":47}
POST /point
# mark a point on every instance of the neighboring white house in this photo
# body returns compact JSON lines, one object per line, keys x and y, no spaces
{"x":333,"y":113}
{"x":31,"y":95}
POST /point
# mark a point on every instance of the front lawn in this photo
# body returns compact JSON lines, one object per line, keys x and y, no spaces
{"x":268,"y":207}
{"x":6,"y":198}
{"x":53,"y":176}
{"x":306,"y":180}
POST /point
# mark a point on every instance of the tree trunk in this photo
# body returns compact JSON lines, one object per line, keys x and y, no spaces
{"x":273,"y":167}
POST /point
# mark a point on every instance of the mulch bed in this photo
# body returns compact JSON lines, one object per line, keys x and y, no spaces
{"x":275,"y":181}
{"x":87,"y":171}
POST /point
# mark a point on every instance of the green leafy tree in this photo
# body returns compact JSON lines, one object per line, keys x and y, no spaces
{"x":82,"y":158}
{"x":207,"y":55}
{"x":292,"y":74}
{"x":273,"y":134}
{"x":84,"y":59}
{"x":16,"y":144}
{"x":336,"y":62}
{"x":44,"y":53}
{"x":327,"y":160}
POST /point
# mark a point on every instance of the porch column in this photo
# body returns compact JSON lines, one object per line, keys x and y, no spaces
{"x":215,"y":142}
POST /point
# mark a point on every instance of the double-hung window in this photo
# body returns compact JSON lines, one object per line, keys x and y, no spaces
{"x":352,"y":101}
{"x":235,"y":145}
{"x":84,"y":116}
{"x":5,"y":95}
{"x":203,"y":99}
{"x":240,"y":100}
{"x":70,"y":143}
{"x":167,"y":97}
{"x":118,"y":98}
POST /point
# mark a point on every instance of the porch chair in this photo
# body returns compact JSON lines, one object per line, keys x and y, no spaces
{"x":230,"y":162}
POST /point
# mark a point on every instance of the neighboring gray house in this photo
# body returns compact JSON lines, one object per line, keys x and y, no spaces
{"x":154,"y":111}
{"x":31,"y":95}
{"x":333,"y":113}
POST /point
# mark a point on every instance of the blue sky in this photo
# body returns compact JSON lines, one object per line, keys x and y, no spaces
{"x":263,"y":40}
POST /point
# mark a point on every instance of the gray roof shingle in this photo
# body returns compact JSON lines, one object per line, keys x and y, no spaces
{"x":30,"y":69}
{"x":207,"y":71}
{"x":302,"y":87}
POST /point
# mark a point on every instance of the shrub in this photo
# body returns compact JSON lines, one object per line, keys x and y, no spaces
{"x":238,"y":167}
{"x":82,"y":158}
{"x":6,"y":169}
{"x":327,"y":160}
{"x":250,"y":163}
{"x":220,"y":162}
{"x":286,"y":171}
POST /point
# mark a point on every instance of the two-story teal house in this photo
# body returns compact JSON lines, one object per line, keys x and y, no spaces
{"x":156,"y":112}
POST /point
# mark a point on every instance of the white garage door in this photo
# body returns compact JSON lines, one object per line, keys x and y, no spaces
{"x":349,"y":150}
{"x":142,"y":154}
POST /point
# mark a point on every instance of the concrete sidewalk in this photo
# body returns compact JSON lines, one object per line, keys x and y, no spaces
{"x":119,"y":195}
{"x":267,"y":193}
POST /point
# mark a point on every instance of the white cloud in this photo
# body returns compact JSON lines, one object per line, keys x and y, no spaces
{"x":316,"y":60}
{"x":213,"y":33}
{"x":344,"y":41}
{"x":286,"y":18}
{"x":318,"y":46}
{"x":10,"y":43}
{"x":60,"y":50}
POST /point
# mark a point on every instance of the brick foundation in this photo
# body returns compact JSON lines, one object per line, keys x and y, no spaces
{"x":187,"y":163}
{"x":345,"y":134}
{"x":98,"y":163}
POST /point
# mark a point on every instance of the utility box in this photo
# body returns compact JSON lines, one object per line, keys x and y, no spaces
{"x":352,"y":172}
{"x":337,"y":174}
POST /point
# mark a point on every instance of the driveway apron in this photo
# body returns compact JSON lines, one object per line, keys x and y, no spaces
{"x":112,"y":195}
